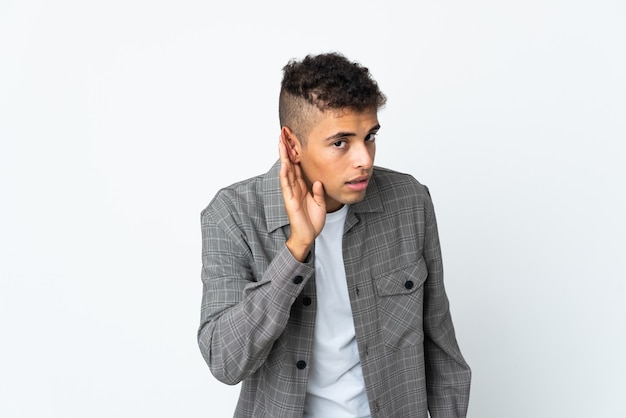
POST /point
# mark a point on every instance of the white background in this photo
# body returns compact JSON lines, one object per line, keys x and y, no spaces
{"x":119,"y":120}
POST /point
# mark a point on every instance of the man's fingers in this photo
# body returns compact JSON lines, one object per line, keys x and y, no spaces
{"x":290,"y":175}
{"x":297,"y":172}
{"x":286,"y":171}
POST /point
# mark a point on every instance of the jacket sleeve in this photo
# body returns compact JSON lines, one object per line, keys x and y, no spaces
{"x":447,"y":373}
{"x":241,"y":315}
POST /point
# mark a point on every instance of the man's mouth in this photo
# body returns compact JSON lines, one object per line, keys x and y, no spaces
{"x":359,"y":183}
{"x":359,"y":180}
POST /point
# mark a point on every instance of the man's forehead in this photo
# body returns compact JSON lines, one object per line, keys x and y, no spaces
{"x":330,"y":123}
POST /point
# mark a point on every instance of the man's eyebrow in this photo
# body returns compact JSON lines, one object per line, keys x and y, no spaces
{"x":340,"y":135}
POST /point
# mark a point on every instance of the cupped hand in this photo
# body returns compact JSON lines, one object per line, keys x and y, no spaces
{"x":306,"y":210}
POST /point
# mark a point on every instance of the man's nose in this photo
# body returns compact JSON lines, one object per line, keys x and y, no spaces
{"x":363,"y":156}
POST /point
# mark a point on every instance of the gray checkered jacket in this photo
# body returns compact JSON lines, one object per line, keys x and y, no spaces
{"x":258,"y":303}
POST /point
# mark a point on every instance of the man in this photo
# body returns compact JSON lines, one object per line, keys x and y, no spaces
{"x":323,"y":282}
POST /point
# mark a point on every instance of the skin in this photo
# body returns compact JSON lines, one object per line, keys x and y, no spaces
{"x":331,"y":167}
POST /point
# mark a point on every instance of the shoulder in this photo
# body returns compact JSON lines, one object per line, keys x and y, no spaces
{"x":396,"y":185}
{"x":236,"y":199}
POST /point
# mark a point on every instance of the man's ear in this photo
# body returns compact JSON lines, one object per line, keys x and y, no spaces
{"x":292,"y":143}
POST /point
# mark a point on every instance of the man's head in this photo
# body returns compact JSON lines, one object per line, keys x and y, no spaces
{"x":328,"y":114}
{"x":325,"y":82}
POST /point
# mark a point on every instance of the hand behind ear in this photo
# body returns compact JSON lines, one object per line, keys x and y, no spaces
{"x":306,"y":210}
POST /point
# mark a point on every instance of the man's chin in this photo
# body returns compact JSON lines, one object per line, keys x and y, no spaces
{"x":354,"y":198}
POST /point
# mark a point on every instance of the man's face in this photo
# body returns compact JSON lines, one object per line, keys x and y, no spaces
{"x":339,"y":151}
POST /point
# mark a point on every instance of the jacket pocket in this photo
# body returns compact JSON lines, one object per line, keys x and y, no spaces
{"x":400,"y":304}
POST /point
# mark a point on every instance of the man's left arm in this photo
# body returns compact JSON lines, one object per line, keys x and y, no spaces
{"x":447,"y":373}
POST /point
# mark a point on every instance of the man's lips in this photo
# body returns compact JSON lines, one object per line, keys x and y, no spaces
{"x":358,"y":183}
{"x":358,"y":180}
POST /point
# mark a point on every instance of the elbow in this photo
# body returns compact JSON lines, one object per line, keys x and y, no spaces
{"x":219,"y":372}
{"x":214,"y":358}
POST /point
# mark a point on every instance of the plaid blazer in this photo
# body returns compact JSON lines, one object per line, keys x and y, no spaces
{"x":258,"y":302}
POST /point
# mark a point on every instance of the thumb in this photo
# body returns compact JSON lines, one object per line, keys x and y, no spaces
{"x":318,"y":194}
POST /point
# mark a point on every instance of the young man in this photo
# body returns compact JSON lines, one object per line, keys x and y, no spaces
{"x":323,"y":282}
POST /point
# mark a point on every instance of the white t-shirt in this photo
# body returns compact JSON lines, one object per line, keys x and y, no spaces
{"x":335,"y":388}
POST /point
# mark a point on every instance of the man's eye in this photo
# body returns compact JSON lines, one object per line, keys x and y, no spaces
{"x":370,"y":137}
{"x":339,"y":144}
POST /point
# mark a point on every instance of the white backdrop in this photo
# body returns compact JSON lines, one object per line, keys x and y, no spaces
{"x":119,"y":120}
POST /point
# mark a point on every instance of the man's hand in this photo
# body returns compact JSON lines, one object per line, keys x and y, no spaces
{"x":306,"y":211}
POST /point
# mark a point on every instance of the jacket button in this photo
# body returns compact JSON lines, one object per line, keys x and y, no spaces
{"x":306,"y":301}
{"x":301,"y":364}
{"x":409,"y":284}
{"x":298,"y":279}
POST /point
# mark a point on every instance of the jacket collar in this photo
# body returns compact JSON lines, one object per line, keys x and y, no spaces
{"x":276,"y":215}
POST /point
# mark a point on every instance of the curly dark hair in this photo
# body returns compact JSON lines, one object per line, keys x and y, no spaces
{"x":329,"y":82}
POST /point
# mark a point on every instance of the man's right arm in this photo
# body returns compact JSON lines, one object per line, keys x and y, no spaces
{"x":242,"y":316}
